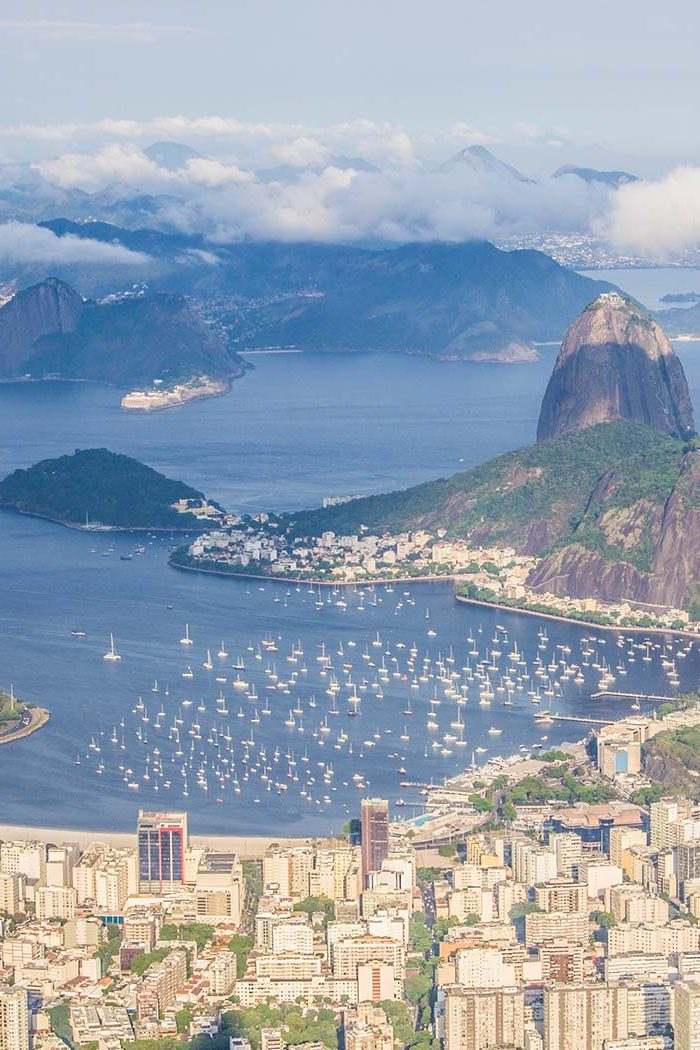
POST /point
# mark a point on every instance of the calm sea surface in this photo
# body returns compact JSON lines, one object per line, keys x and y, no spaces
{"x":650,"y":285}
{"x":272,"y":756}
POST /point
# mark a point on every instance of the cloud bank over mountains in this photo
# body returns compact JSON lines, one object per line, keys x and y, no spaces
{"x":360,"y":181}
{"x":25,"y":243}
{"x":658,"y":218}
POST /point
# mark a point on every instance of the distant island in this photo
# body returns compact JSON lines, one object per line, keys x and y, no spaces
{"x":97,"y":489}
{"x":681,"y":297}
{"x":19,"y":719}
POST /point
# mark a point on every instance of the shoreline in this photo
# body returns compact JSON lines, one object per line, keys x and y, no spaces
{"x":40,"y":716}
{"x":315,"y":583}
{"x":619,"y":629}
{"x":99,"y":530}
{"x":616,"y":628}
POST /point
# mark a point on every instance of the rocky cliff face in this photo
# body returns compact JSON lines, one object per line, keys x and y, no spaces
{"x":664,"y":532}
{"x":51,"y":306}
{"x":616,"y":363}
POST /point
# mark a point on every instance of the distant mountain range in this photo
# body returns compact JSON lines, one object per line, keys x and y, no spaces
{"x":47,"y":329}
{"x":459,"y":301}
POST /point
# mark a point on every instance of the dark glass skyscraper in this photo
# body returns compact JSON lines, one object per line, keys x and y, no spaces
{"x":162,"y":839}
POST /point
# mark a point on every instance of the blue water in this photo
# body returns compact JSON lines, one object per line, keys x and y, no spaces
{"x":295,"y":429}
{"x":649,"y":285}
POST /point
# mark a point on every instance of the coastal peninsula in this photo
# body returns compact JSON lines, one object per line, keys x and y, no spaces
{"x":19,"y":719}
{"x":160,"y":396}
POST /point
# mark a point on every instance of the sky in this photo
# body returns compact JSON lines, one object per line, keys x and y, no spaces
{"x":618,"y":78}
{"x":253,"y":85}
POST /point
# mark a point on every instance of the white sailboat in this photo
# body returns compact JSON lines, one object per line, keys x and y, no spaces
{"x":111,"y":654}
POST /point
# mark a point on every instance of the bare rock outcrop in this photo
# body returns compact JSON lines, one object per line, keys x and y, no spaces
{"x":616,"y":363}
{"x":43,"y":309}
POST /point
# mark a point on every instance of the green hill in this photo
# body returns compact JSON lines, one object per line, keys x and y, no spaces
{"x":534,"y":498}
{"x":100,"y":487}
{"x":610,"y":511}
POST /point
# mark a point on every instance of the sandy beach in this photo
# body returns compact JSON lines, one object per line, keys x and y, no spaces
{"x":244,"y":845}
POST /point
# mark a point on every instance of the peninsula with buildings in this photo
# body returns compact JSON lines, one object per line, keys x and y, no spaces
{"x":595,"y":521}
{"x":160,"y":396}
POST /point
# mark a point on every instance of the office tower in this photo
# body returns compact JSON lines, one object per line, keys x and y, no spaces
{"x":14,"y":1019}
{"x":374,"y":816}
{"x":162,"y":840}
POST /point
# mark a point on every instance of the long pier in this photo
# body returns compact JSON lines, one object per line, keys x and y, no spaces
{"x":653,"y":697}
{"x":580,"y":718}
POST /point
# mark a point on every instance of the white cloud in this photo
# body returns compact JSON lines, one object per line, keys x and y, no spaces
{"x":127,"y":165}
{"x":301,"y":152}
{"x":209,"y":172}
{"x":223,"y":200}
{"x":135,"y":32}
{"x":25,"y":243}
{"x":121,"y":163}
{"x":407,"y":204}
{"x":656,"y":219}
{"x":259,"y":142}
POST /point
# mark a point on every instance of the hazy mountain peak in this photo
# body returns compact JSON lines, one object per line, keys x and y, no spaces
{"x":171,"y":155}
{"x":483,"y":162}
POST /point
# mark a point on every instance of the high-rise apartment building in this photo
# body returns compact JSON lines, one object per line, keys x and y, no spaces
{"x":672,"y":821}
{"x":568,"y":850}
{"x":219,"y":888}
{"x":162,"y":840}
{"x":584,"y":1017}
{"x":561,"y":961}
{"x":687,"y":1015}
{"x":14,"y":1019}
{"x":374,"y":818}
{"x":477,"y":1019}
{"x":55,"y":902}
{"x":688,"y":863}
{"x":9,"y":893}
{"x":24,"y":858}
